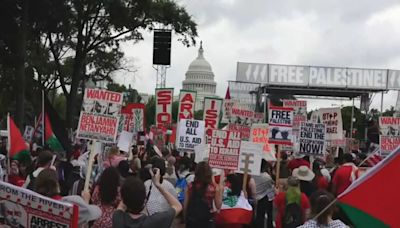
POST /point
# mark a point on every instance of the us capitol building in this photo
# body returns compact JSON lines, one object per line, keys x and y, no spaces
{"x":200,"y":78}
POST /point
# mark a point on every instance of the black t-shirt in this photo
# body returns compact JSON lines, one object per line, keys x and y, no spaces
{"x":164,"y":219}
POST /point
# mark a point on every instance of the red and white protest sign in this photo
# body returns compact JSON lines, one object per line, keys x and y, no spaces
{"x":212,"y":110}
{"x":332,"y":118}
{"x":164,"y":99}
{"x":100,"y":115}
{"x":244,"y":130}
{"x":24,"y":208}
{"x":300,"y":111}
{"x":187,"y":100}
{"x":280,"y":125}
{"x":224,"y":149}
{"x":134,"y":117}
{"x":259,"y":134}
{"x":389,"y":138}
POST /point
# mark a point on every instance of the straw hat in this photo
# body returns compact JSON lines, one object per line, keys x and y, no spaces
{"x":303,"y":173}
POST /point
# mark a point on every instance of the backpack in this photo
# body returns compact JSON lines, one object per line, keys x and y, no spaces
{"x":198,"y":211}
{"x":32,"y":180}
{"x":293,"y":216}
{"x":180,"y":186}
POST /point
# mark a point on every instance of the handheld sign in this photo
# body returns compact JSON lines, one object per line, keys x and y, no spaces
{"x":259,"y":134}
{"x":212,"y":109}
{"x":164,"y":99}
{"x":389,"y":137}
{"x":187,"y":100}
{"x":190,"y":134}
{"x":312,"y":138}
{"x":253,"y":152}
{"x":332,"y":118}
{"x":224,"y":150}
{"x":280,"y":125}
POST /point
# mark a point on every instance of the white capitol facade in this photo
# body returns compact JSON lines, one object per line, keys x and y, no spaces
{"x":200,"y":78}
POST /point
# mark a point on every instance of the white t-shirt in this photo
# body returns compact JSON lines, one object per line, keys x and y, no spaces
{"x":157,"y":202}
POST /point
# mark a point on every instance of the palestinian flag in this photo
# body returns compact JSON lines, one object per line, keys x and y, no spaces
{"x":18,"y":150}
{"x":228,"y":93}
{"x":373,"y":200}
{"x":49,"y":136}
{"x":234,"y":210}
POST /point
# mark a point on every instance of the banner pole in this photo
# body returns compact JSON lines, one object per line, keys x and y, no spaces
{"x":246,"y":171}
{"x":43,"y":114}
{"x":278,"y":165}
{"x":8,"y":148}
{"x":265,"y":104}
{"x":90,"y":166}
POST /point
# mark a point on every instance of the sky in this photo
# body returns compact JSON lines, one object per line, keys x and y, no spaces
{"x":308,"y":32}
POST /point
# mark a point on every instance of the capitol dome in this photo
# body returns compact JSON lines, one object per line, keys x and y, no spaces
{"x":200,"y":78}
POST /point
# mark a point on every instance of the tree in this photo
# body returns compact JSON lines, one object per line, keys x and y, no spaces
{"x":198,"y":115}
{"x":150,"y":111}
{"x":93,"y":32}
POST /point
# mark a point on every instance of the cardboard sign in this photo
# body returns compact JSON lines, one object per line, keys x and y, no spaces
{"x":134,"y":116}
{"x":212,"y":110}
{"x":190,"y":134}
{"x":312,"y":139}
{"x":332,"y":118}
{"x":224,"y":150}
{"x":259,"y":134}
{"x":187,"y":101}
{"x":164,"y":98}
{"x":243,"y":129}
{"x":125,"y":141}
{"x":300,"y":111}
{"x":389,"y":138}
{"x":280,"y":125}
{"x":20,"y":207}
{"x":255,"y":152}
{"x":100,"y":115}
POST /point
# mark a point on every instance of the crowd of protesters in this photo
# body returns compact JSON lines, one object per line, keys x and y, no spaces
{"x":144,"y":188}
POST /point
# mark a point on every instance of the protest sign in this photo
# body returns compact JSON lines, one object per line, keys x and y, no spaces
{"x":255,"y":153}
{"x":190,"y":134}
{"x":300,"y":111}
{"x":125,"y":141}
{"x":134,"y":117}
{"x":100,"y":115}
{"x":227,"y":109}
{"x":224,"y":149}
{"x":187,"y":100}
{"x":241,"y":114}
{"x":280,"y":125}
{"x":28,"y":133}
{"x":201,"y":152}
{"x":158,"y":136}
{"x":212,"y":110}
{"x":164,"y":98}
{"x":20,"y":207}
{"x":243,"y":129}
{"x":312,"y":138}
{"x":259,"y":134}
{"x":389,"y":138}
{"x":332,"y":118}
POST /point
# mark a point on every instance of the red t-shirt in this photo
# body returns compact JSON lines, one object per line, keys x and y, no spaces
{"x":280,"y":204}
{"x":296,"y":163}
{"x":341,"y":178}
{"x":322,"y":183}
{"x":16,"y":180}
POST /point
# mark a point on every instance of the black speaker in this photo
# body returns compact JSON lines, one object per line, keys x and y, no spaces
{"x":162,"y":47}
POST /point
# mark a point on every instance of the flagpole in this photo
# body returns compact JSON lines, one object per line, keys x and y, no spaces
{"x":368,"y":157}
{"x":43,"y":130}
{"x":8,"y":147}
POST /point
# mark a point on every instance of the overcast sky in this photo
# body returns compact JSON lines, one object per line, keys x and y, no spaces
{"x":308,"y":32}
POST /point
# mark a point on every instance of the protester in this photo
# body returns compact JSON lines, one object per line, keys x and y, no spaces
{"x":292,"y":206}
{"x":76,"y":180}
{"x":16,"y":177}
{"x":200,"y":197}
{"x":135,"y":166}
{"x":113,"y":158}
{"x":344,"y":175}
{"x":236,"y":211}
{"x":107,"y":196}
{"x":170,"y":174}
{"x":297,"y":161}
{"x":156,"y":201}
{"x":305,"y":175}
{"x":321,"y":200}
{"x":320,"y":181}
{"x":43,"y":162}
{"x":47,"y":184}
{"x":265,"y":194}
{"x":124,"y":170}
{"x":130,"y":213}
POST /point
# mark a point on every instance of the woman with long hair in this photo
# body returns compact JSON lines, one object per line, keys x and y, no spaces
{"x":106,"y":195}
{"x":200,"y":196}
{"x":320,"y":200}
